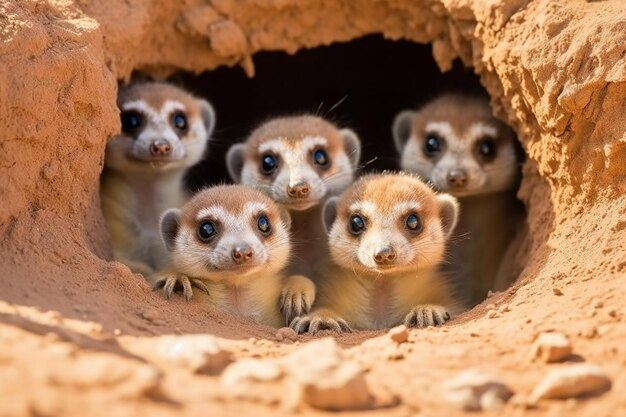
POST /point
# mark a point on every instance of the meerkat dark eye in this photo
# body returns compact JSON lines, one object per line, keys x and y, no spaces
{"x":320,"y":157}
{"x":131,"y":121}
{"x":487,"y":149}
{"x":268,"y":164}
{"x":357,"y":225}
{"x":414,"y":223}
{"x":206,"y":231}
{"x":179,"y":120}
{"x":264,"y":225}
{"x":432,"y":145}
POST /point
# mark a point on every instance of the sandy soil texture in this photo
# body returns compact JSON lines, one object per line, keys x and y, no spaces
{"x":83,"y":336}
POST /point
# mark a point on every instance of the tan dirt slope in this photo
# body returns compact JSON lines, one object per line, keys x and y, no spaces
{"x":78,"y":333}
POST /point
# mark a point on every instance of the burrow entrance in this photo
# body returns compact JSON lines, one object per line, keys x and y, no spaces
{"x":362,"y":84}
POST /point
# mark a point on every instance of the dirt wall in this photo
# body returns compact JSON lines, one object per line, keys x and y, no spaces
{"x":556,"y":71}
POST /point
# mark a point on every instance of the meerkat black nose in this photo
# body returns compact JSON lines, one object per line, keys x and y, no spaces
{"x":160,"y":147}
{"x":385,"y":256}
{"x":300,"y":190}
{"x":242,"y":253}
{"x":457,"y":178}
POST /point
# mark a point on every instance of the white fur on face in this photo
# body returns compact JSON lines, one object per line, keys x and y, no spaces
{"x":201,"y":260}
{"x":296,"y":167}
{"x":459,"y":153}
{"x":386,"y":230}
{"x":184,"y":153}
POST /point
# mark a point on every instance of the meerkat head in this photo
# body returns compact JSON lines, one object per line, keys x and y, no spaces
{"x":298,"y":161}
{"x":163,"y":128}
{"x":227,"y":231}
{"x":456,"y":144}
{"x":387,"y":223}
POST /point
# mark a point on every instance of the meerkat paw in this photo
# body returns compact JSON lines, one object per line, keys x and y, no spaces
{"x":318,"y":321}
{"x":296,"y":297}
{"x":172,"y":282}
{"x":427,"y":315}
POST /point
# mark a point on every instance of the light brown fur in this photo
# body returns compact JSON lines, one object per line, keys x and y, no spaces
{"x":252,"y":289}
{"x":292,"y":141}
{"x":137,"y":187}
{"x":490,"y":213}
{"x":358,"y":294}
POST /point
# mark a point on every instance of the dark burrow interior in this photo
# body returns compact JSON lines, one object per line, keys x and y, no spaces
{"x":360,"y":84}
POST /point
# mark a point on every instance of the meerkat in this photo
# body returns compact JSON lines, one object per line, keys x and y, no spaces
{"x":387,"y":235}
{"x":299,"y":162}
{"x":164,"y":132}
{"x":232,"y":242}
{"x":455,"y":143}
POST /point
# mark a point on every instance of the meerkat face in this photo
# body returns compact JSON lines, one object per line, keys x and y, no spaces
{"x":455,"y":143}
{"x":227,"y":232}
{"x":163,"y":128}
{"x":389,"y":223}
{"x":297,"y":161}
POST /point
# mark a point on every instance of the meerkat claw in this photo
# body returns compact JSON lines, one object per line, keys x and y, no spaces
{"x":428,"y":315}
{"x":199,"y":285}
{"x":297,"y":297}
{"x":300,"y":324}
{"x":327,"y":323}
{"x":168,"y":283}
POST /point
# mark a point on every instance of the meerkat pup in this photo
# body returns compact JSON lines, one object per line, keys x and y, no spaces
{"x":231,"y":242}
{"x":455,"y":143}
{"x":299,"y":162}
{"x":387,"y":235}
{"x":164,"y":132}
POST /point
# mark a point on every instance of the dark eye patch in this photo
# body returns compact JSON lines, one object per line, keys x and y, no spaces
{"x":132,"y":121}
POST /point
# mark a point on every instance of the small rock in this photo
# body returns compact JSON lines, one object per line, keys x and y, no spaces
{"x":604,"y":329}
{"x":117,"y":332}
{"x":150,"y":315}
{"x":199,"y":353}
{"x":473,"y":390}
{"x":261,"y":381}
{"x":399,"y":334}
{"x":250,"y":370}
{"x":612,"y":313}
{"x":286,"y":333}
{"x":572,"y":381}
{"x":328,"y":379}
{"x":557,"y":291}
{"x":551,"y":347}
{"x":492,"y":314}
{"x":504,"y":308}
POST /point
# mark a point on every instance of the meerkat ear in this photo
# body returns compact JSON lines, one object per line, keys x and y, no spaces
{"x":208,"y":116}
{"x":285,"y":217}
{"x":329,"y":213}
{"x":234,"y":160}
{"x":170,"y":224}
{"x":449,"y":212}
{"x":352,"y":146}
{"x":401,"y":129}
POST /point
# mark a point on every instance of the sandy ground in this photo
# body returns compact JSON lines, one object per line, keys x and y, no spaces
{"x":80,"y":335}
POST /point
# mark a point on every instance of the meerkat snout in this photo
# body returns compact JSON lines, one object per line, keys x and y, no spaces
{"x":385,"y":255}
{"x":160,"y":147}
{"x":457,"y":179}
{"x":242,"y":253}
{"x":455,"y":143}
